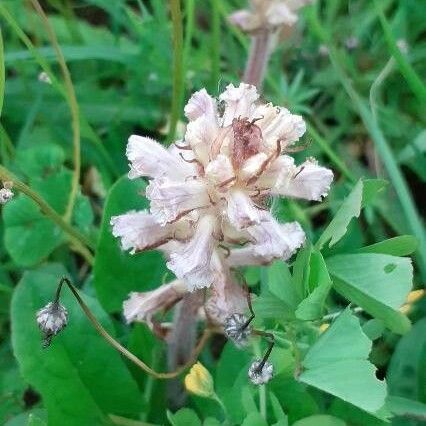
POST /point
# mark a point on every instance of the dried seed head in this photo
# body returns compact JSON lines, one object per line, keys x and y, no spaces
{"x":260,"y":374}
{"x":51,"y":320}
{"x":5,"y":195}
{"x":236,"y":329}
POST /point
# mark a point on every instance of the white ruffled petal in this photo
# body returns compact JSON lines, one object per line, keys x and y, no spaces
{"x":280,"y":14}
{"x":142,"y":306}
{"x":227,"y":298}
{"x":139,"y":231}
{"x":272,"y":240}
{"x":309,"y":181}
{"x":170,"y":200}
{"x":200,"y":135}
{"x":220,"y":170}
{"x":244,"y":19}
{"x":197,"y":263}
{"x":241,"y":211}
{"x":148,"y":158}
{"x":239,"y":102}
{"x":284,"y":127}
{"x":253,"y":166}
{"x":200,"y":103}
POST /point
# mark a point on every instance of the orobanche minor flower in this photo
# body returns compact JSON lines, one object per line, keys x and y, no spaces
{"x":267,"y":15}
{"x":209,"y":192}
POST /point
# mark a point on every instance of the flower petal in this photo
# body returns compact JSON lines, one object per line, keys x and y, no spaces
{"x":200,"y":103}
{"x":200,"y":135}
{"x":197,"y":262}
{"x":142,"y":306}
{"x":241,"y":211}
{"x":309,"y":181}
{"x":170,"y":200}
{"x":272,"y":240}
{"x":148,"y":158}
{"x":239,"y":102}
{"x":139,"y":231}
{"x":220,"y":170}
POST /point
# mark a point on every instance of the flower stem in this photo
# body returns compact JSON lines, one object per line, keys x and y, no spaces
{"x":79,"y":241}
{"x":178,"y":86}
{"x":260,"y":51}
{"x":73,"y":105}
{"x":215,"y":44}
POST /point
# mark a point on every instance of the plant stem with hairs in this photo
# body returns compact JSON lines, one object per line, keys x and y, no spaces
{"x":262,"y":44}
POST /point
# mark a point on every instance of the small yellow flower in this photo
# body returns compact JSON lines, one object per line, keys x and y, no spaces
{"x":415,"y":295}
{"x":324,"y":327}
{"x":199,"y":381}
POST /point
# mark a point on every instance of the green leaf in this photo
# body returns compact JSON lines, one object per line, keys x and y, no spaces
{"x":361,"y":195}
{"x":269,"y":306}
{"x":280,"y":283}
{"x":406,"y":408}
{"x":80,"y":377}
{"x":350,"y":208}
{"x":320,"y":420}
{"x":397,"y":246}
{"x":279,"y":413}
{"x":183,"y":417}
{"x":254,"y":419}
{"x":117,"y":273}
{"x":406,"y":373}
{"x":379,"y":283}
{"x":312,"y":306}
{"x":29,"y":235}
{"x":338,"y":364}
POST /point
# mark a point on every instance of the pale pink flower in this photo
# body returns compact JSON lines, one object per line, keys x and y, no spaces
{"x":267,"y":15}
{"x":142,"y":306}
{"x":208,"y":193}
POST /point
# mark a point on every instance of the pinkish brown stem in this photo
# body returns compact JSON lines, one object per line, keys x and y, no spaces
{"x":260,"y":50}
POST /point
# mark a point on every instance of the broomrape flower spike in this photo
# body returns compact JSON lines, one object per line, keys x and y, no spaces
{"x":208,"y":192}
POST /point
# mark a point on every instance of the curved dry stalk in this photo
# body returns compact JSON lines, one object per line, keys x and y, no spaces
{"x":129,"y":355}
{"x":73,"y":104}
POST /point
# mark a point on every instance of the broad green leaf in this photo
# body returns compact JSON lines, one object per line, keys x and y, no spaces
{"x":320,"y":420}
{"x":279,"y":413}
{"x":183,"y":417}
{"x":312,"y":306}
{"x":254,"y":419}
{"x":379,"y":283}
{"x":361,"y":195}
{"x":338,"y":364}
{"x":295,"y":399}
{"x":117,"y":273}
{"x":29,"y":235}
{"x":280,"y":283}
{"x":406,"y":408}
{"x":406,"y":374}
{"x":269,"y":306}
{"x":301,"y":271}
{"x":350,"y":208}
{"x":397,"y":246}
{"x":80,"y":377}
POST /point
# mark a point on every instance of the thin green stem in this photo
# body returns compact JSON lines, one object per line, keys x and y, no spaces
{"x":408,"y":206}
{"x":189,"y":30}
{"x":221,"y":404}
{"x":335,"y":159}
{"x":178,"y":86}
{"x":78,"y":240}
{"x":85,"y":125}
{"x":2,"y":73}
{"x":215,"y":44}
{"x":408,"y":72}
{"x":73,"y":105}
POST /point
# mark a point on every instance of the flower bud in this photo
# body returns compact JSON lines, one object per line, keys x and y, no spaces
{"x":260,"y":373}
{"x":51,"y":320}
{"x":199,"y":381}
{"x":236,"y":329}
